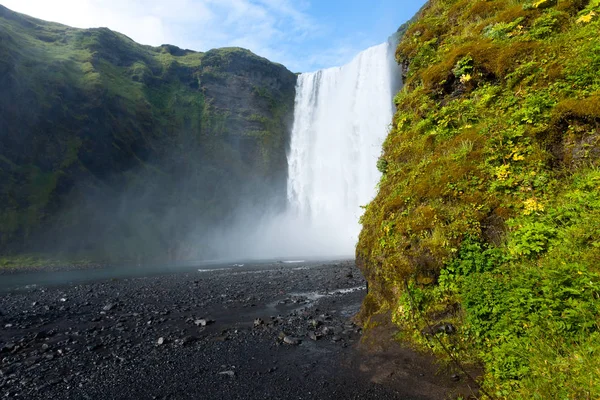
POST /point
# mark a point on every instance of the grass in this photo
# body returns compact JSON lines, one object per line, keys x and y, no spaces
{"x":486,"y":209}
{"x":28,"y":261}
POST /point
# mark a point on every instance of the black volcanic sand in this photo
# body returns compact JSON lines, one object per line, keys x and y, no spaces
{"x":101,"y":340}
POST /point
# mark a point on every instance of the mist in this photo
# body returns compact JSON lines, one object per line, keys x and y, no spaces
{"x":341,"y":118}
{"x":279,"y":179}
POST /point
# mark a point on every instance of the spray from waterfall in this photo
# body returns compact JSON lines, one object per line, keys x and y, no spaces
{"x":341,"y":118}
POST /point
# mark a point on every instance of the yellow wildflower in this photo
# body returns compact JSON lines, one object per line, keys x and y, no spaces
{"x":531,"y":206}
{"x":502,"y":172}
{"x":586,"y":18}
{"x":544,"y":3}
{"x":465,"y":78}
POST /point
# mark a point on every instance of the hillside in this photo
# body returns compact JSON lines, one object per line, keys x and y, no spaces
{"x":484,"y":236}
{"x":113,"y":149}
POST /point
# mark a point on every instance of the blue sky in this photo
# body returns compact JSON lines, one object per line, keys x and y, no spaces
{"x":304,"y":35}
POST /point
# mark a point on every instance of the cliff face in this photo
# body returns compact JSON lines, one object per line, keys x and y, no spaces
{"x":108,"y":146}
{"x":485,"y":228}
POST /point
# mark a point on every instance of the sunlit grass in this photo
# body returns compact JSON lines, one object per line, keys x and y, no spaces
{"x":482,"y":207}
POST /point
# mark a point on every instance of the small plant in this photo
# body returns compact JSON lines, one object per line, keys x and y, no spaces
{"x":545,"y":25}
{"x":382,"y":165}
{"x":465,"y":147}
{"x":532,"y":239}
{"x":463,"y":67}
{"x":473,"y":257}
{"x":504,"y":30}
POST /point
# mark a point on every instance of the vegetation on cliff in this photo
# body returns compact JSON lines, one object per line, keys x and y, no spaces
{"x":111,"y":148}
{"x":487,"y":218}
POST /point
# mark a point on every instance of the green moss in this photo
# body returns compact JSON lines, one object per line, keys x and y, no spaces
{"x":588,"y":108}
{"x":487,"y":207}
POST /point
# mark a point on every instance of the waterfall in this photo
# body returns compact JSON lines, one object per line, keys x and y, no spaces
{"x":341,"y":119}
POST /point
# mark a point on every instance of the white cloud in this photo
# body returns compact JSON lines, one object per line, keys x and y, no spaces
{"x":267,"y":27}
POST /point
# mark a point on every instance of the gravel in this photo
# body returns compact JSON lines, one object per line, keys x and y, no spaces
{"x":239,"y":333}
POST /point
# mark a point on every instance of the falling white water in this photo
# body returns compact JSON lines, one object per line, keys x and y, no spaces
{"x":341,"y":119}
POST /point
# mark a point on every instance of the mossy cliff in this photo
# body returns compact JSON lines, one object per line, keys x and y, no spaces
{"x":111,"y":148}
{"x":486,"y":226}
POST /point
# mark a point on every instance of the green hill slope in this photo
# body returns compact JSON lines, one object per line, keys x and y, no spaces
{"x":486,"y":226}
{"x":108,"y":147}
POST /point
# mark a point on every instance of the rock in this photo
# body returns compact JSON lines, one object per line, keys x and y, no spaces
{"x":93,"y":347}
{"x":7,"y":348}
{"x":188,"y":340}
{"x":108,"y":307}
{"x":313,"y":336}
{"x":327,"y":330}
{"x":230,"y":374}
{"x":160,"y":341}
{"x":315,"y":323}
{"x":291,"y":341}
{"x":258,"y":322}
{"x":203,"y":322}
{"x":455,"y":377}
{"x":336,"y":338}
{"x":40,"y":335}
{"x":442,"y":327}
{"x":326,"y":317}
